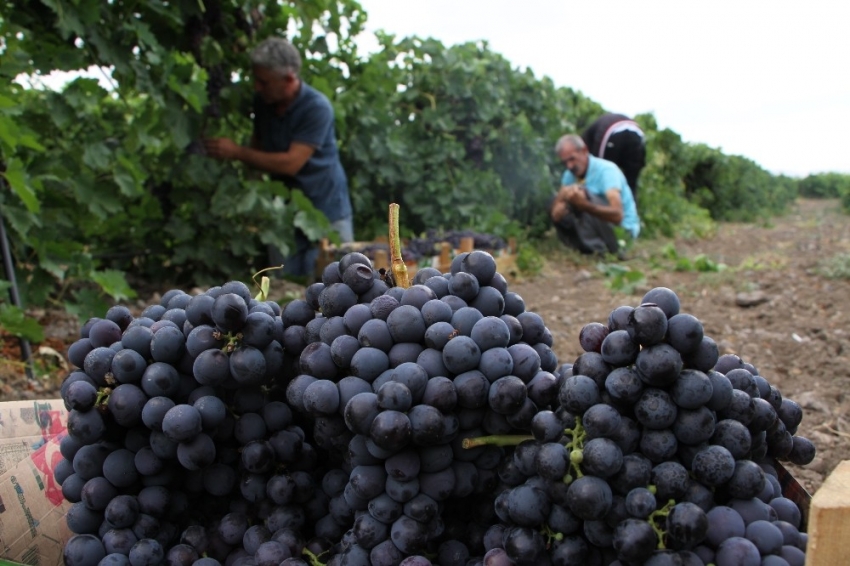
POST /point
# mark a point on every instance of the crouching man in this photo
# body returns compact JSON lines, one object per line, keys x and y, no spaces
{"x":594,"y":198}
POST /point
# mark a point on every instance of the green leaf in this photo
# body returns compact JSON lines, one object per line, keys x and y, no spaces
{"x":178,"y":125}
{"x":125,"y":181}
{"x":9,"y":132}
{"x":128,"y":177}
{"x":30,"y":141}
{"x":97,"y":156}
{"x":114,"y":284}
{"x":309,"y":219}
{"x":165,"y":11}
{"x":66,"y":19}
{"x":188,"y":80}
{"x":87,"y":303}
{"x":54,"y":268}
{"x":15,"y":321}
{"x":17,"y":179}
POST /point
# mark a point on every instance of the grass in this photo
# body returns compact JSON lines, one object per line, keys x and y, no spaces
{"x":764,"y":261}
{"x":622,"y":278}
{"x":667,"y":257}
{"x":835,"y":267}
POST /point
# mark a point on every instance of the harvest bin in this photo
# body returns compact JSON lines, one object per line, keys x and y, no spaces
{"x":32,"y":508}
{"x":377,"y":250}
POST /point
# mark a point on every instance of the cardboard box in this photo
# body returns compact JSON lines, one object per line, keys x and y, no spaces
{"x":32,"y":509}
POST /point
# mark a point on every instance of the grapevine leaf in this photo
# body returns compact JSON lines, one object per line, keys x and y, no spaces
{"x":97,"y":156}
{"x":114,"y":284}
{"x":17,"y":179}
{"x":309,"y":219}
{"x":15,"y":321}
{"x":30,"y":141}
{"x":87,"y":303}
{"x":8,"y":132}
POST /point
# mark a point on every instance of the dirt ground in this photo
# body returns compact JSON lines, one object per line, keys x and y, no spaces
{"x":771,"y":305}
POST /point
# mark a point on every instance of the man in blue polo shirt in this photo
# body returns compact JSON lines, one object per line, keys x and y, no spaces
{"x":294,"y":140}
{"x":593,"y":198}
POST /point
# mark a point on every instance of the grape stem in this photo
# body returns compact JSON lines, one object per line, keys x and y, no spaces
{"x":232,"y":341}
{"x":575,"y":449}
{"x":312,"y":558}
{"x":496,"y":440}
{"x":398,"y":266}
{"x":264,"y":284}
{"x":658,"y":519}
{"x":102,"y":398}
{"x":551,"y":536}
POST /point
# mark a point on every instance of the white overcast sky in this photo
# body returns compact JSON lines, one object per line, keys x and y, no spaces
{"x":766,"y":80}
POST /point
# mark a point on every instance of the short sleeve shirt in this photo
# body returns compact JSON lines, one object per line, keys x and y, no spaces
{"x":602,"y":176}
{"x":309,"y":120}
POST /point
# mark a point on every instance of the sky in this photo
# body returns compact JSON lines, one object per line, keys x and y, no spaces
{"x":769,"y":80}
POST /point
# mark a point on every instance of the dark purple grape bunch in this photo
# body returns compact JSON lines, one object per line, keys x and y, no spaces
{"x":367,"y":424}
{"x":169,"y":423}
{"x":675,"y":443}
{"x":103,"y":368}
{"x":400,"y":377}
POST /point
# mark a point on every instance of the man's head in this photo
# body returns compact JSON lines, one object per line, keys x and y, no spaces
{"x":276,"y":64}
{"x":572,"y":152}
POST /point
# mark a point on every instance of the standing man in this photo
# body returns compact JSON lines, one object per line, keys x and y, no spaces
{"x":294,"y":140}
{"x":617,"y":138}
{"x":593,"y":198}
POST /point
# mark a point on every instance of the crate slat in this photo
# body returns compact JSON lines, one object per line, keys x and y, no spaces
{"x":505,"y":258}
{"x":829,"y":519}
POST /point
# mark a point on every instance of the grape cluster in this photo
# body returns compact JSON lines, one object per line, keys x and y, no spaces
{"x":170,"y":424}
{"x":216,"y":81}
{"x":403,"y":379}
{"x":197,"y":29}
{"x":368,"y":424}
{"x":662,"y":452}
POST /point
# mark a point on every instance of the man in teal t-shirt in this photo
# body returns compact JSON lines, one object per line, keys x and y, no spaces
{"x":593,"y":198}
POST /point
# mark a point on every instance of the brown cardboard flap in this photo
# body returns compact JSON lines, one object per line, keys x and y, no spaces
{"x":32,"y":418}
{"x":32,"y":508}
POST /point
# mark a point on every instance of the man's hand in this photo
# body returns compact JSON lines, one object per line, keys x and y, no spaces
{"x":559,"y":209}
{"x":574,"y":195}
{"x":222,"y":148}
{"x":577,"y":198}
{"x":564,"y":192}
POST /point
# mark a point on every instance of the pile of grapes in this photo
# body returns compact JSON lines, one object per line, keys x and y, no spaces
{"x":367,"y":424}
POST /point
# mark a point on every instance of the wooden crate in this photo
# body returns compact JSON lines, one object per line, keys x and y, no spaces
{"x":829,"y":520}
{"x":505,"y":258}
{"x":328,"y":253}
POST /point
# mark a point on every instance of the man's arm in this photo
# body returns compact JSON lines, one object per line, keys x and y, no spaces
{"x":277,"y":163}
{"x":612,"y":212}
